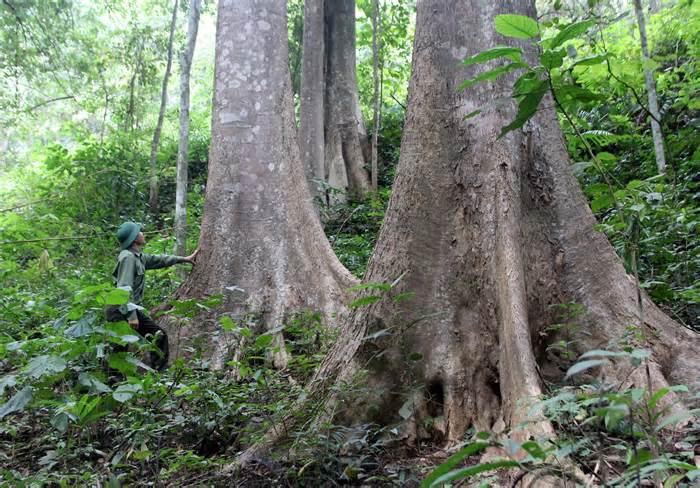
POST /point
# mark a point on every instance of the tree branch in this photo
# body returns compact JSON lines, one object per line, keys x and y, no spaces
{"x":46,"y":102}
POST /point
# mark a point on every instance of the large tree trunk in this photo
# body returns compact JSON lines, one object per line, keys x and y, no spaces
{"x":656,"y":133}
{"x":311,"y":135}
{"x":183,"y":145}
{"x":152,"y":167}
{"x":260,"y":233}
{"x":491,"y":236}
{"x":345,"y":133}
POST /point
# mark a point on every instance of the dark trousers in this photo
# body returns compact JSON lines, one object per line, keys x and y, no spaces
{"x":147,"y":327}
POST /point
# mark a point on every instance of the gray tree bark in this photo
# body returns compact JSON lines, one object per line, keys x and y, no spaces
{"x":183,"y":145}
{"x":153,"y":169}
{"x":311,"y":134}
{"x":492,"y":237}
{"x":345,"y":133}
{"x":656,"y":133}
{"x":261,"y":243}
{"x":376,"y":22}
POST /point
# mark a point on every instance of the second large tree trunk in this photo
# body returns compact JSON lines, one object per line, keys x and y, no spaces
{"x":493,"y":238}
{"x":261,"y":243}
{"x":345,"y":133}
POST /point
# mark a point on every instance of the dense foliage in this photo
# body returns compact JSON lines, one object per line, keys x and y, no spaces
{"x":78,"y":93}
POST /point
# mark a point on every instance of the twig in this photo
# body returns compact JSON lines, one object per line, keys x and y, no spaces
{"x":46,"y":102}
{"x":397,"y":101}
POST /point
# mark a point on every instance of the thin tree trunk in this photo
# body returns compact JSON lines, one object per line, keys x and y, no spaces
{"x":153,"y":169}
{"x":651,"y":91}
{"x":311,"y":135}
{"x":261,"y":244}
{"x":376,"y":22}
{"x":183,"y":146}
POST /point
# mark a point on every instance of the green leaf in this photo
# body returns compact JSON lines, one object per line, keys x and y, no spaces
{"x":81,"y":328}
{"x":518,"y":26}
{"x":577,"y":93}
{"x":116,"y":297}
{"x":513,"y":53}
{"x":227,"y":323}
{"x":453,"y":461}
{"x":263,"y":340}
{"x":118,"y":361}
{"x":656,"y":397}
{"x":569,"y":32}
{"x":534,"y":449}
{"x":472,"y":470}
{"x":590,"y":60}
{"x":43,"y":365}
{"x":526,"y":108}
{"x":583,"y":366}
{"x":552,"y":59}
{"x":17,"y":402}
{"x":93,"y":383}
{"x":491,"y":74}
{"x":124,"y":393}
{"x":602,"y":202}
{"x":364,"y":301}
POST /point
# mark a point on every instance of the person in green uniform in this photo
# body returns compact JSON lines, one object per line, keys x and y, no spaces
{"x":129,"y":274}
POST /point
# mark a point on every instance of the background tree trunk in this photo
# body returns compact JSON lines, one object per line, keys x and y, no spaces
{"x":261,"y":242}
{"x":345,"y":134}
{"x":153,"y":169}
{"x":183,"y":145}
{"x":311,"y":135}
{"x":656,"y":133}
{"x":376,"y":22}
{"x":494,"y":238}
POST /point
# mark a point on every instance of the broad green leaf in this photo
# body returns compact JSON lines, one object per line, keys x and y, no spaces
{"x":602,"y":202}
{"x":263,"y":340}
{"x":81,"y":328}
{"x":491,"y":74}
{"x":415,"y":356}
{"x":518,"y":26}
{"x":125,"y":392}
{"x":590,"y":60}
{"x":93,"y":383}
{"x":526,"y":108}
{"x":17,"y":402}
{"x":534,"y":449}
{"x":576,"y":93}
{"x":656,"y":397}
{"x":116,"y":297}
{"x":227,"y":323}
{"x":453,"y":461}
{"x":43,"y":365}
{"x":513,"y":53}
{"x":552,"y":59}
{"x":118,"y":361}
{"x":472,"y":470}
{"x":583,"y":366}
{"x":569,"y":32}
